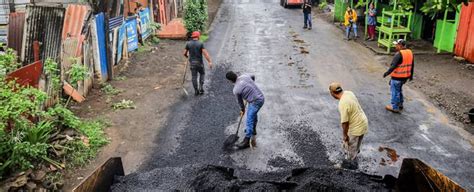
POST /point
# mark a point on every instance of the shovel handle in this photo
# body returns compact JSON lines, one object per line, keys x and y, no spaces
{"x":240,"y":121}
{"x":185,"y":71}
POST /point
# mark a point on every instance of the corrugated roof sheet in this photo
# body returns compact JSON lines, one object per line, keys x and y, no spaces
{"x":115,"y":22}
{"x":43,"y":24}
{"x":74,"y":20}
{"x":15,"y":31}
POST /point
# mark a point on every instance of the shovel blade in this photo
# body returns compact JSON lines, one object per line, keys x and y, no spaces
{"x":230,"y":141}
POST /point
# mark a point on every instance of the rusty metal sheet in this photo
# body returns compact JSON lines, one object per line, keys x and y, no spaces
{"x":15,"y":31}
{"x":465,"y":38}
{"x":74,"y":20}
{"x":103,"y":177}
{"x":43,"y":24}
{"x":28,"y":75}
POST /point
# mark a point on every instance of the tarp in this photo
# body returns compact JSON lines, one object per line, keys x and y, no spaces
{"x":132,"y":36}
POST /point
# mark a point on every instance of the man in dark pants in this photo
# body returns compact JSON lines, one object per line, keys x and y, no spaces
{"x":307,"y":14}
{"x":196,"y":50}
{"x":401,"y":70}
{"x":246,"y":89}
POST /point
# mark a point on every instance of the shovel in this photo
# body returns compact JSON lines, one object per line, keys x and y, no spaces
{"x":184,"y":78}
{"x":234,"y":137}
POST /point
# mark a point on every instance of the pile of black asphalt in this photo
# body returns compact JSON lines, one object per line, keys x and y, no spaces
{"x":218,"y":178}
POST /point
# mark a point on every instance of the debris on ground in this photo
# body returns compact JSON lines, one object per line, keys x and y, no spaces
{"x":391,"y":153}
{"x":124,"y":104}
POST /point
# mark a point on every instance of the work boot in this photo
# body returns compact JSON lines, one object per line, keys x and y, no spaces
{"x":201,"y":91}
{"x":244,"y":144}
{"x":305,"y":27}
{"x":389,"y":108}
{"x":196,"y":92}
{"x":253,"y":142}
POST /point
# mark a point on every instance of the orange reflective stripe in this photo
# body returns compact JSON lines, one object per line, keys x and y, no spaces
{"x":404,"y":69}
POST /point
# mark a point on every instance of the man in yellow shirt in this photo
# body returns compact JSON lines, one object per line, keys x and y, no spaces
{"x":353,"y":120}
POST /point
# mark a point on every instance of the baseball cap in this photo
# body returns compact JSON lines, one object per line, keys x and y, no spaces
{"x":400,"y":42}
{"x":195,"y":34}
{"x":335,"y":87}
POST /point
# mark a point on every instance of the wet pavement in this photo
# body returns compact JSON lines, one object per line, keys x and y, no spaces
{"x":299,"y":123}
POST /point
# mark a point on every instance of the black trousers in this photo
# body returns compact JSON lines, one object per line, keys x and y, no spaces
{"x":195,"y":70}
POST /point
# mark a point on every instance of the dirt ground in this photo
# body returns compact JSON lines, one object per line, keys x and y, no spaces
{"x":152,"y":80}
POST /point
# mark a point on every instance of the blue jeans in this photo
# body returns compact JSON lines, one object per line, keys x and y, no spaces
{"x":397,"y":93}
{"x":252,"y":117}
{"x":348,"y":29}
{"x":307,"y":20}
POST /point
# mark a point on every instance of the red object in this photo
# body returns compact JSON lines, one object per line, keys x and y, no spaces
{"x":371,"y":31}
{"x":36,"y":50}
{"x":294,"y":2}
{"x":464,"y":46}
{"x":28,"y":75}
{"x":195,"y":34}
{"x":174,"y":30}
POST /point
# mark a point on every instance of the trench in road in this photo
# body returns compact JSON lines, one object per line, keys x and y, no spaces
{"x":299,"y":123}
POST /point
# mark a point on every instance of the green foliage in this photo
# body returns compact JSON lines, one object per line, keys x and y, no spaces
{"x":403,"y":5}
{"x":155,"y":26}
{"x":51,"y":70}
{"x":8,"y":61}
{"x":108,"y":89}
{"x":324,"y":4}
{"x":78,"y":72}
{"x":155,"y":40}
{"x":79,"y":151}
{"x":434,"y":7}
{"x":195,"y":15}
{"x":204,"y":38}
{"x":124,"y":104}
{"x":360,"y":4}
{"x":39,"y":133}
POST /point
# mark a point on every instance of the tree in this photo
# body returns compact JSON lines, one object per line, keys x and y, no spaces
{"x":195,"y":15}
{"x":433,"y":7}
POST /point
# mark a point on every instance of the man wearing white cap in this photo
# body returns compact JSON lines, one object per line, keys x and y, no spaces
{"x":401,"y":70}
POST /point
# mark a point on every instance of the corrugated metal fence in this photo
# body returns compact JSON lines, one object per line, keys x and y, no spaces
{"x":465,"y":39}
{"x":15,"y":31}
{"x":45,"y":25}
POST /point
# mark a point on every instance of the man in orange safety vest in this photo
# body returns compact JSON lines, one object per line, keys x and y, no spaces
{"x":401,"y":70}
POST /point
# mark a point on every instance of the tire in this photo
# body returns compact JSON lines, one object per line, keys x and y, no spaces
{"x":285,"y":4}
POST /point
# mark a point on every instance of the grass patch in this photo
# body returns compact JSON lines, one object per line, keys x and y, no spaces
{"x":124,"y":104}
{"x":108,"y":89}
{"x":204,"y":38}
{"x":83,"y":149}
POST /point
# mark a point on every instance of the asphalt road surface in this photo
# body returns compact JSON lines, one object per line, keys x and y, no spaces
{"x":299,"y":123}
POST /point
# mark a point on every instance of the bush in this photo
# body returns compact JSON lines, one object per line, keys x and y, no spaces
{"x":195,"y":15}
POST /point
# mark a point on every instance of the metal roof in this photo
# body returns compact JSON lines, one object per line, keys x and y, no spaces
{"x":43,"y":24}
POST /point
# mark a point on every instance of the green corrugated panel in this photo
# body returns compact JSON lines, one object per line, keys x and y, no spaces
{"x":449,"y":35}
{"x":339,"y":10}
{"x":416,"y":27}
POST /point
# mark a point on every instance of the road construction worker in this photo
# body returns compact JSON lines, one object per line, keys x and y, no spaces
{"x":307,"y":14}
{"x":401,"y":70}
{"x":196,"y":50}
{"x":246,"y":89}
{"x":354,"y":123}
{"x":350,"y":21}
